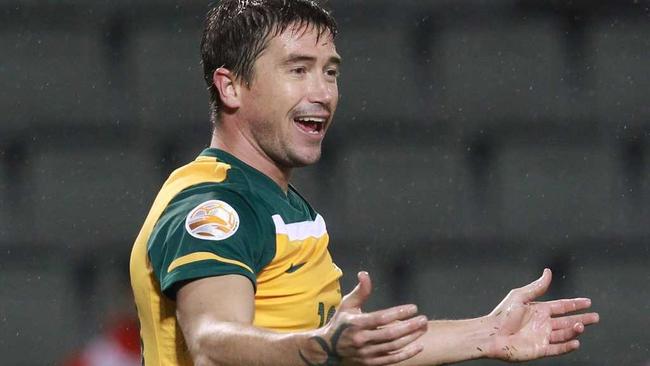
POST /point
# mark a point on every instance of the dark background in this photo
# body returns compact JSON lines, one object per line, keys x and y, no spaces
{"x":476,"y":142}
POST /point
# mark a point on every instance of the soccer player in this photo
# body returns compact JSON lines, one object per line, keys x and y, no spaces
{"x":231,"y":266}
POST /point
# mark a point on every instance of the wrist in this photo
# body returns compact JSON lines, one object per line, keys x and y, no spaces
{"x":451,"y":341}
{"x":488,"y":341}
{"x":483,"y":337}
{"x":309,"y":350}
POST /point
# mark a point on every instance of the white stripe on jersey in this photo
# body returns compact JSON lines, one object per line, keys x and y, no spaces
{"x":300,"y":230}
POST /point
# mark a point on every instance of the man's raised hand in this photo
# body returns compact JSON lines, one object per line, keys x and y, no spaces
{"x":526,"y":330}
{"x":352,"y":337}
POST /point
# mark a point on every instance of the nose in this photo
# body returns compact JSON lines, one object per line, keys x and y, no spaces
{"x":323,"y":90}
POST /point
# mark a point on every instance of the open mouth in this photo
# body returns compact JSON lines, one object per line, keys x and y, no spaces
{"x":310,"y":125}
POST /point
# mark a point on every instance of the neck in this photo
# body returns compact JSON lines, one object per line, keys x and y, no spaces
{"x":236,"y":144}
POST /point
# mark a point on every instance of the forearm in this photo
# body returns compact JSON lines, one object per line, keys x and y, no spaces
{"x":449,"y":341}
{"x":219,"y":330}
{"x":241,"y":344}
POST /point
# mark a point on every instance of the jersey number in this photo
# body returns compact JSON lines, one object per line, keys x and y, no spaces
{"x":325,"y":318}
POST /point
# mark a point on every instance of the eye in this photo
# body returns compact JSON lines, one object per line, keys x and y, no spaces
{"x":335,"y":73}
{"x":299,"y":70}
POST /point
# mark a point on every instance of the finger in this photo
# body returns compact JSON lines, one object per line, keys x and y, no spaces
{"x":570,"y":321}
{"x":395,"y":331}
{"x":357,"y":297}
{"x":562,"y":348}
{"x":384,"y":317}
{"x":559,"y":307}
{"x":537,"y":288}
{"x":392,"y":358}
{"x":392,"y":346}
{"x":567,"y":334}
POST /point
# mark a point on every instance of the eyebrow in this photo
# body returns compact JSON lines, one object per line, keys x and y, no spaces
{"x":295,"y":57}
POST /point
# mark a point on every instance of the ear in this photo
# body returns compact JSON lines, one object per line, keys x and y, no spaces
{"x":228,"y":87}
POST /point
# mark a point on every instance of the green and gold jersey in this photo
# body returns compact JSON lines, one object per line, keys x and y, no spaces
{"x":218,"y":216}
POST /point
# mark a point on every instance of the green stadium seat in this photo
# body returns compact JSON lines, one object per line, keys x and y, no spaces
{"x":552,"y":194}
{"x":503,"y":72}
{"x":52,"y":78}
{"x":620,"y":64}
{"x":389,"y":191}
{"x":168,"y":78}
{"x":91,"y":197}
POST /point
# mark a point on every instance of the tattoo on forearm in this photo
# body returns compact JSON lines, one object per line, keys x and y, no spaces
{"x":333,"y":357}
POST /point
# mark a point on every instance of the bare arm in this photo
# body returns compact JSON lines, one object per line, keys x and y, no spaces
{"x":518,"y":329}
{"x":216,"y":316}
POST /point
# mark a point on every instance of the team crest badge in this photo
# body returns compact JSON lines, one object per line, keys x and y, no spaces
{"x":212,"y":220}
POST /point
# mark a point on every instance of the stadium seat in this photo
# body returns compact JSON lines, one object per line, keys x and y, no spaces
{"x":500,"y":72}
{"x":38,"y":301}
{"x":5,"y":209}
{"x":646,"y":178}
{"x":621,"y":54}
{"x":558,"y":192}
{"x":643,"y":208}
{"x":168,"y":78}
{"x":379,"y":83}
{"x":52,"y":77}
{"x":91,"y":197}
{"x":419,"y":187}
{"x":616,"y":277}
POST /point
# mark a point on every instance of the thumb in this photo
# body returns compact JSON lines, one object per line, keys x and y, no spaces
{"x":358,"y":296}
{"x":537,"y":288}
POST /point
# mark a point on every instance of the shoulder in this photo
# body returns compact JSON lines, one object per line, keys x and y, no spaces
{"x":215,"y":209}
{"x":211,"y":229}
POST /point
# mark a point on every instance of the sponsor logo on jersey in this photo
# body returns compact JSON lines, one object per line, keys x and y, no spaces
{"x":294,"y":267}
{"x":212,"y":220}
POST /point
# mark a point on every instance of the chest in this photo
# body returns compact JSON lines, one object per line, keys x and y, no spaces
{"x":299,"y":289}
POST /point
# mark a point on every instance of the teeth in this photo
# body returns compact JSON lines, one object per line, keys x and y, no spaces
{"x":311,"y":119}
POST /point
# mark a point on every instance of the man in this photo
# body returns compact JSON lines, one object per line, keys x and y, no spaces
{"x":231,"y":266}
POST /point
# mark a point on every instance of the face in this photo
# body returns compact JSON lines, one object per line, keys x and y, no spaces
{"x":290,"y":103}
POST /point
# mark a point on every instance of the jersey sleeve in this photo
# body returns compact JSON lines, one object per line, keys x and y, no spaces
{"x":209,"y":232}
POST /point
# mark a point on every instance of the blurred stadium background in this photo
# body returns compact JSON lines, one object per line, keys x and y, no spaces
{"x":476,"y":142}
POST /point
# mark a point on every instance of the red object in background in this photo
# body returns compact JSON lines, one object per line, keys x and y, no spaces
{"x":119,"y":345}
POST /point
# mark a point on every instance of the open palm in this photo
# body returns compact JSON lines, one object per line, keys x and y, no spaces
{"x":526,"y":330}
